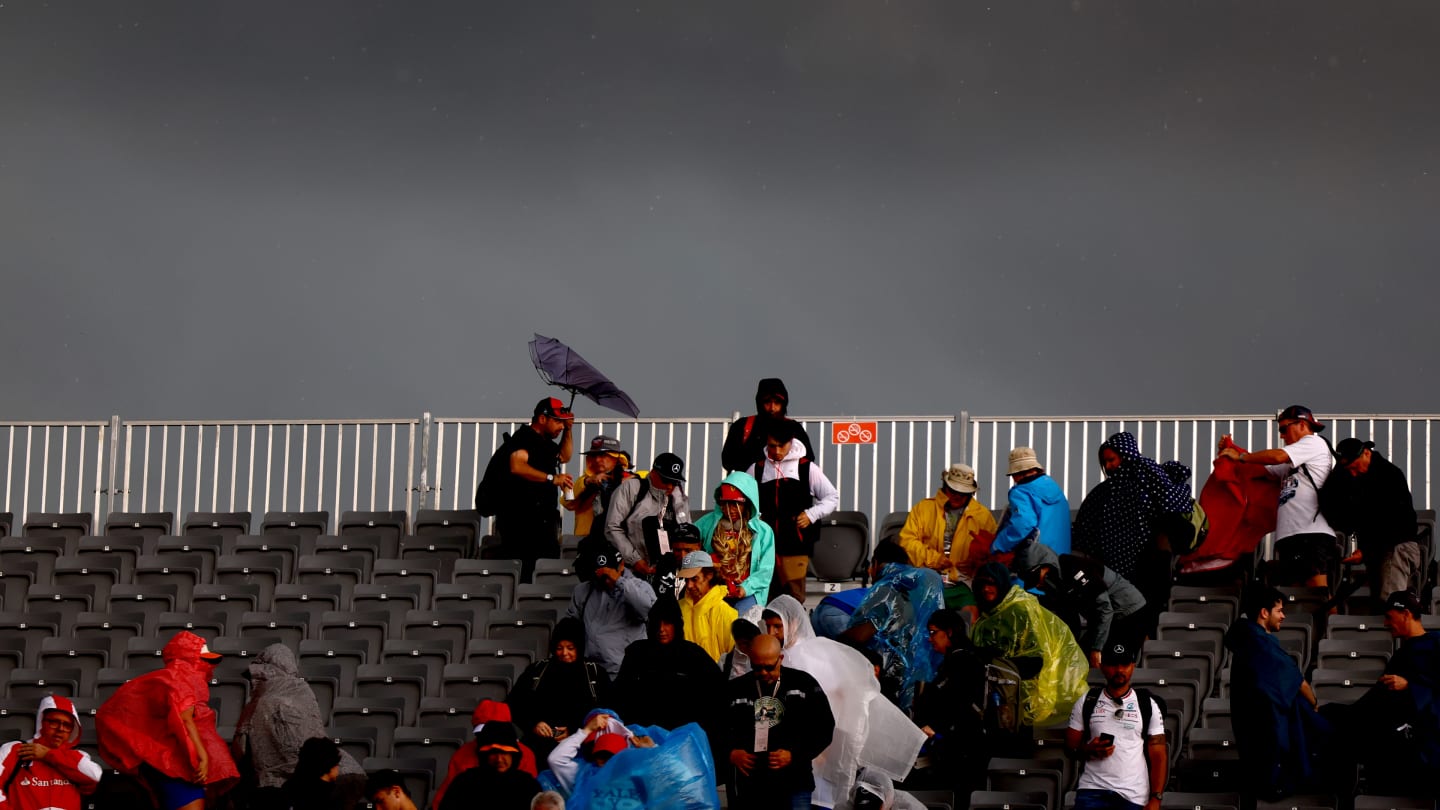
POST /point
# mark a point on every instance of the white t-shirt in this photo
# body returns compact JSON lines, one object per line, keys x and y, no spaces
{"x":1126,"y":772}
{"x":1299,"y":493}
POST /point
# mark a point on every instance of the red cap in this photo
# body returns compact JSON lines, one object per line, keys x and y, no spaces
{"x":604,"y":742}
{"x":730,"y":492}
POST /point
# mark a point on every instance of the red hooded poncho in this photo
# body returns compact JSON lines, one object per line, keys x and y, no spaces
{"x":140,"y":724}
{"x":468,"y":756}
{"x":1241,"y":501}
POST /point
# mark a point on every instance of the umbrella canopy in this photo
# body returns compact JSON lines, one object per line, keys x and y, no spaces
{"x":562,"y":366}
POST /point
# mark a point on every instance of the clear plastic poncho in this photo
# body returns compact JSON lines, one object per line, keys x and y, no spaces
{"x":869,"y":730}
{"x":1019,"y":627}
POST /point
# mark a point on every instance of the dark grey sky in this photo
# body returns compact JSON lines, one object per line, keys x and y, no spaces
{"x":269,"y":209}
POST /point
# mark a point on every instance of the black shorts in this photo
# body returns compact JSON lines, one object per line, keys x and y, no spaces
{"x":1302,"y":556}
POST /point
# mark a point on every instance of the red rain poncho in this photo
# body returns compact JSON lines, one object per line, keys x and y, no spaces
{"x":1240,"y":501}
{"x":140,"y":724}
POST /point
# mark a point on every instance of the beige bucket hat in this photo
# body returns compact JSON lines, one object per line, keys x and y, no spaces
{"x":1022,"y":459}
{"x":960,"y":478}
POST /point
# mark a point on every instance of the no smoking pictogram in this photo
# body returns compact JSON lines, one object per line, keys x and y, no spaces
{"x":853,"y":432}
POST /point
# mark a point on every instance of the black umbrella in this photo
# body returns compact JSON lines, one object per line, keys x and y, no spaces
{"x":561,"y":366}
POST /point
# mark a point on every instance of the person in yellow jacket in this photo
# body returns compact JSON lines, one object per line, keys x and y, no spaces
{"x":951,"y":534}
{"x":707,"y":615}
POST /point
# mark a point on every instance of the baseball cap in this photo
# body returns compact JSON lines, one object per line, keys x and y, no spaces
{"x":604,"y":445}
{"x":606,"y":742}
{"x":685,"y":533}
{"x":1404,"y":600}
{"x":1118,"y":653}
{"x":497,"y":737}
{"x":693,"y":562}
{"x":1301,"y":413}
{"x":669,"y":466}
{"x":606,"y":557}
{"x":960,"y":478}
{"x":1350,"y":449}
{"x":206,"y":654}
{"x":730,"y":492}
{"x":553,"y":407}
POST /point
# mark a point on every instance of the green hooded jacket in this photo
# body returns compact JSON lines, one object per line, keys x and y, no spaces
{"x":762,"y":549}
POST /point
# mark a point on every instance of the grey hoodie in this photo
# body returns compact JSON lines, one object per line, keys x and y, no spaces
{"x":1119,"y":597}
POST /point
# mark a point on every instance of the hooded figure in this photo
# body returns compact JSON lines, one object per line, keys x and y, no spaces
{"x":744,"y":551}
{"x":1014,"y":625}
{"x":667,"y":681}
{"x":48,"y":772}
{"x":552,"y":696}
{"x":468,"y":756}
{"x":897,"y":607}
{"x":154,"y":719}
{"x":1118,"y":520}
{"x":497,"y":781}
{"x":281,"y":715}
{"x":869,"y":730}
{"x":745,"y":442}
{"x":1074,"y":587}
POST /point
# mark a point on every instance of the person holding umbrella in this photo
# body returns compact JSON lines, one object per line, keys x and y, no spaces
{"x":520,"y":486}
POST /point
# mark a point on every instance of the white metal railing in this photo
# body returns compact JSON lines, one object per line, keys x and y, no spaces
{"x":258,"y":466}
{"x":1067,"y":446}
{"x":901,"y":465}
{"x":53,"y":467}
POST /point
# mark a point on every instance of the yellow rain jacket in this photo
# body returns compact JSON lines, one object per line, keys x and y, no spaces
{"x":923,"y":536}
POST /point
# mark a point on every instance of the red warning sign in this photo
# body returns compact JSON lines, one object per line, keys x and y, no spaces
{"x":853,"y":432}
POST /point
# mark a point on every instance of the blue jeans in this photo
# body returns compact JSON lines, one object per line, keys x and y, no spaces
{"x":1091,"y":799}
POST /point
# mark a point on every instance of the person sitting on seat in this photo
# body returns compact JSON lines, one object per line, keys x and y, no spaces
{"x":663,"y":666}
{"x":48,"y":771}
{"x":891,"y":619}
{"x":387,"y":790}
{"x":468,"y":755}
{"x":742,"y":544}
{"x":1077,"y":589}
{"x":950,"y":534}
{"x":317,"y":770}
{"x":613,"y":607}
{"x":497,"y":781}
{"x":551,"y":697}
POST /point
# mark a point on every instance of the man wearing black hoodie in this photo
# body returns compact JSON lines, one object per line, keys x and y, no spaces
{"x":1368,"y":497}
{"x":745,"y":443}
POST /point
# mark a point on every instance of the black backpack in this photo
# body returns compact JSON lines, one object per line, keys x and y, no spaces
{"x":491,"y":492}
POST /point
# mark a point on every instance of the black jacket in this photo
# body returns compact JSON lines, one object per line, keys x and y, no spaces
{"x":482,"y":787}
{"x":1376,"y":507}
{"x":804,"y":725}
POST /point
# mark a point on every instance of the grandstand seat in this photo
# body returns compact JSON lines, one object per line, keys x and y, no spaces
{"x":260,"y":571}
{"x":842,"y":548}
{"x":1199,"y":655}
{"x":1296,"y":638}
{"x":452,"y":627}
{"x":347,"y":654}
{"x":43,"y":551}
{"x":201,"y":624}
{"x":505,"y":573}
{"x":1175,"y":800}
{"x":570,"y":544}
{"x":532,"y":625}
{"x":1374,"y":802}
{"x":26,"y":629}
{"x":239,"y":651}
{"x":150,"y":600}
{"x":549,"y":597}
{"x":1215,"y":713}
{"x":435,"y":744}
{"x":422,"y":572}
{"x":1341,"y":626}
{"x":34,"y":683}
{"x":290,"y":628}
{"x":1007,"y":800}
{"x":419,"y":774}
{"x":87,"y":653}
{"x":478,"y":681}
{"x":433,"y":654}
{"x":1181,"y":688}
{"x":392,"y":599}
{"x":442,"y":550}
{"x":382,"y":713}
{"x":438,"y":712}
{"x":478,"y":599}
{"x":1338,"y":686}
{"x":388,"y":526}
{"x":555,"y":572}
{"x":1194,"y":598}
{"x":306,"y":524}
{"x":518,"y":654}
{"x":184,"y":571}
{"x":100,"y":572}
{"x":67,"y":600}
{"x":7,"y":525}
{"x":357,"y":741}
{"x":371,"y":627}
{"x":489,"y":547}
{"x":1304,"y":599}
{"x":347,"y":569}
{"x":1354,"y":655}
{"x":1028,"y":776}
{"x":324,"y":682}
{"x":286,"y":548}
{"x":465,"y":522}
{"x":891,"y":525}
{"x":12,"y":656}
{"x":16,"y":577}
{"x":143,"y":654}
{"x":150,"y":525}
{"x":313,"y":598}
{"x":69,"y":525}
{"x":128,"y":547}
{"x":403,"y":680}
{"x":227,"y":697}
{"x":229,"y":599}
{"x":209,"y":547}
{"x":1211,"y":763}
{"x":1301,"y":801}
{"x":368,"y":544}
{"x":109,"y":679}
{"x":226,"y":525}
{"x":934,"y":799}
{"x":24,"y":712}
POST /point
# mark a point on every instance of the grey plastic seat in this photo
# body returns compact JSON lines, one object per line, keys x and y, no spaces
{"x":290,"y":628}
{"x":324,"y":682}
{"x":452,"y":627}
{"x":7,"y":523}
{"x":348,"y":570}
{"x":405,"y":680}
{"x":388,"y":526}
{"x":69,"y":525}
{"x":286,"y":548}
{"x":144,"y":654}
{"x":1343,"y":626}
{"x":435,"y":744}
{"x":555,"y":573}
{"x":441,"y":550}
{"x":438,"y":713}
{"x":533,"y":626}
{"x":150,"y":600}
{"x":183,"y":571}
{"x":260,"y":571}
{"x":227,"y":697}
{"x":239,"y":651}
{"x":1008,"y":800}
{"x":208,"y":547}
{"x":407,"y":572}
{"x":505,"y":573}
{"x":67,"y":600}
{"x":313,"y":599}
{"x":347,"y":654}
{"x":100,"y":572}
{"x":17,"y":574}
{"x":371,"y":627}
{"x":35,"y":683}
{"x":1191,"y":598}
{"x":891,"y":525}
{"x":201,"y":624}
{"x":41,"y":551}
{"x":88,"y":654}
{"x":305,"y":524}
{"x":226,"y":525}
{"x":382,"y":713}
{"x":150,"y":525}
{"x":466,"y":523}
{"x":476,"y":682}
{"x":128,"y":547}
{"x":1032,"y":776}
{"x":227,"y":599}
{"x":371,"y":545}
{"x":433,"y":654}
{"x":842,"y":548}
{"x":392,"y":599}
{"x":357,"y":741}
{"x":1339,"y":686}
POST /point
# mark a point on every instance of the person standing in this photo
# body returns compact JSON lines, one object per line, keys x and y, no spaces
{"x":613,"y":607}
{"x":659,"y":495}
{"x":1118,"y":733}
{"x":795,"y":496}
{"x":1038,"y":508}
{"x":603,"y":475}
{"x":522,"y":484}
{"x":1370,"y":498}
{"x":1305,"y":545}
{"x":745,"y":441}
{"x":778,"y":720}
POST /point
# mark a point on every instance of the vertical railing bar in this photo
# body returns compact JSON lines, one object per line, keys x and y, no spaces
{"x":375,"y":470}
{"x":79,"y":475}
{"x":305,"y":469}
{"x":1428,"y":422}
{"x":199,"y":463}
{"x":234,"y":463}
{"x":164,"y":468}
{"x":440,"y":454}
{"x":909,"y":462}
{"x":409,"y":476}
{"x":875,"y":487}
{"x":355,"y":478}
{"x":455,"y":486}
{"x":285,"y":478}
{"x":1048,"y":455}
{"x":180,"y":470}
{"x":129,"y":444}
{"x":215,"y":473}
{"x":705,"y":465}
{"x":64,"y":462}
{"x":855,"y":485}
{"x":475,"y":463}
{"x":145,"y":472}
{"x":269,"y":465}
{"x":1409,"y":451}
{"x":25,"y":493}
{"x":1194,"y":456}
{"x":45,"y":469}
{"x":10,"y":467}
{"x":995,"y":464}
{"x":1065,"y":483}
{"x":250,"y":476}
{"x":100,"y":465}
{"x":929,"y":451}
{"x":894,"y":440}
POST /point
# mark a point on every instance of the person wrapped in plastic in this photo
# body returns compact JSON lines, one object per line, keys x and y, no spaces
{"x":891,"y":618}
{"x":869,"y":730}
{"x":876,"y":791}
{"x":628,"y":768}
{"x":1014,"y":625}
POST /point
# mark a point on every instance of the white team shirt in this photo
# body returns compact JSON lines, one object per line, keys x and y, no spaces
{"x":1299,"y":495}
{"x":1126,"y":772}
